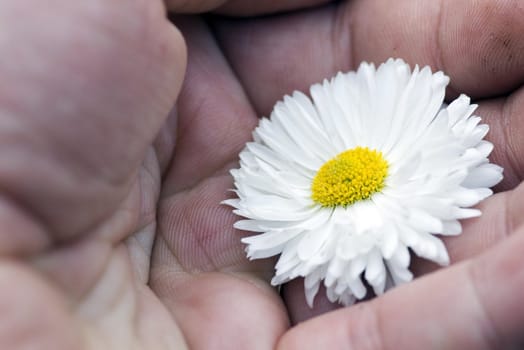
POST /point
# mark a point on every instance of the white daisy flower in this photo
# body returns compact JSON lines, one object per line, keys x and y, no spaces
{"x":343,"y":185}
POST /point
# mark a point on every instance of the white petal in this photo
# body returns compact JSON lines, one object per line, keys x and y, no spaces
{"x":311,"y":284}
{"x":375,"y":272}
{"x":327,"y":112}
{"x":341,"y":287}
{"x":476,"y":135}
{"x":288,"y":259}
{"x":331,"y":295}
{"x":327,"y":251}
{"x":277,"y":140}
{"x":437,"y":207}
{"x":400,"y":257}
{"x":235,"y":203}
{"x":421,"y":220}
{"x":462,"y":213}
{"x":405,"y":172}
{"x":389,"y":241}
{"x":311,"y":292}
{"x":357,"y":288}
{"x":356,"y":267}
{"x":270,"y":239}
{"x":392,"y":78}
{"x":486,"y":175}
{"x":311,"y":141}
{"x":374,"y":266}
{"x":458,"y":109}
{"x":400,"y":274}
{"x":465,"y":197}
{"x":346,"y":299}
{"x":276,"y":208}
{"x":348,"y":123}
{"x":408,"y":235}
{"x":431,"y":248}
{"x":264,"y":253}
{"x":451,"y":228}
{"x":335,"y":270}
{"x":312,"y":241}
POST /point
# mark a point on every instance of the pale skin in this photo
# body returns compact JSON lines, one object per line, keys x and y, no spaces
{"x":112,"y":234}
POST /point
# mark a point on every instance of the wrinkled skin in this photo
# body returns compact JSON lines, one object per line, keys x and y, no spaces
{"x":111,"y":232}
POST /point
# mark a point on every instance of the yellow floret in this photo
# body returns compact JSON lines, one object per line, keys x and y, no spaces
{"x":353,"y":175}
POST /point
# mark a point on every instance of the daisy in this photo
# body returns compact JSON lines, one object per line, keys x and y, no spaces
{"x":342,"y":185}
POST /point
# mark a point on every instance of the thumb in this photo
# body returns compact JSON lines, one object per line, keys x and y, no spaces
{"x":85,"y":87}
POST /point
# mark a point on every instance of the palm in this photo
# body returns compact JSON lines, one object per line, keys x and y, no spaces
{"x":196,"y":280}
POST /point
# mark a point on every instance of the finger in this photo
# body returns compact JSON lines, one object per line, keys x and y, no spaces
{"x":473,"y":305}
{"x":239,"y":7}
{"x":116,"y":312}
{"x":33,"y":315}
{"x":199,"y":268}
{"x":486,"y":61}
{"x":273,"y":56}
{"x":200,"y":272}
{"x":215,"y":118}
{"x":504,"y":117}
{"x":276,"y":55}
{"x":85,"y":87}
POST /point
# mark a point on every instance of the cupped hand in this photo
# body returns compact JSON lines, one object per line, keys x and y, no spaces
{"x":112,"y":236}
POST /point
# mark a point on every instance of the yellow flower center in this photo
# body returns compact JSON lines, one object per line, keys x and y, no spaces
{"x":353,"y":175}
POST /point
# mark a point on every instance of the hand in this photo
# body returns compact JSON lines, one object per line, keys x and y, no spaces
{"x":475,"y":304}
{"x":89,"y":184}
{"x":86,"y":190}
{"x":273,"y":56}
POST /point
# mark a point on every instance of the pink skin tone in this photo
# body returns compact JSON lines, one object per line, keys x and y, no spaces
{"x":112,"y":236}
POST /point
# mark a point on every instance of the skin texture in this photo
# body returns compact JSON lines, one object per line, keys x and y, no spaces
{"x":111,"y":233}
